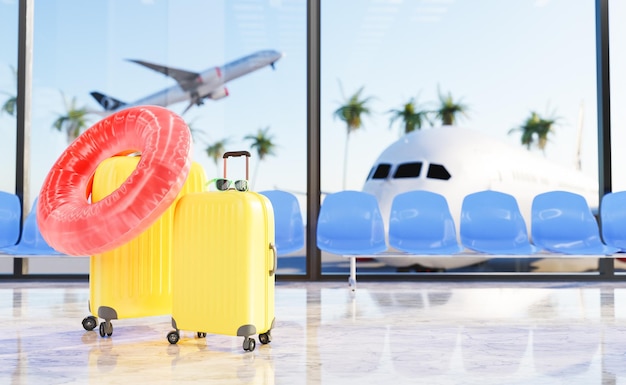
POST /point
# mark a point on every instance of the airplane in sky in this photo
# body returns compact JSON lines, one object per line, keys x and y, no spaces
{"x":455,"y":161}
{"x":193,"y":86}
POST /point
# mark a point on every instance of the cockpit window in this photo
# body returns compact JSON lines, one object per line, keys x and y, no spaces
{"x":437,"y":171}
{"x":408,"y":170}
{"x":381,"y":171}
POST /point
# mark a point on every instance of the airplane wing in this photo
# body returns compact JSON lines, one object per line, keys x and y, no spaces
{"x":187,"y":80}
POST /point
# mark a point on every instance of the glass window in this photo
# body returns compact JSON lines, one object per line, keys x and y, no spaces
{"x":8,"y":93}
{"x":437,"y":171}
{"x":8,"y":107}
{"x":368,"y":69}
{"x":381,"y":171}
{"x":408,"y":170}
{"x":389,"y":76}
{"x":241,"y":66}
{"x":617,"y":49}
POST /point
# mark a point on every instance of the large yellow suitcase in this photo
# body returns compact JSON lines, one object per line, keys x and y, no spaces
{"x":223,"y":279}
{"x":133,"y":280}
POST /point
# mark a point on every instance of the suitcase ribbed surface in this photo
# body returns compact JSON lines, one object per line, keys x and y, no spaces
{"x":135,"y":278}
{"x":221,"y":276}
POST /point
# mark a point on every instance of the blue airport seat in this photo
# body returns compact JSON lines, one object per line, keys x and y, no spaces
{"x":562,"y":222}
{"x":288,"y":222}
{"x":10,"y":219}
{"x":31,"y":242}
{"x":350,"y":223}
{"x":420,"y":222}
{"x":613,"y":219}
{"x":491,"y":222}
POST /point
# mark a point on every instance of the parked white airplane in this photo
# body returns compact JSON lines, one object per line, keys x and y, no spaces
{"x":193,"y":86}
{"x":455,"y":162}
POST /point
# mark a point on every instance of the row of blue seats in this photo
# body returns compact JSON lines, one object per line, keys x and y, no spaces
{"x":288,"y":223}
{"x":18,"y":240}
{"x":350,"y":223}
{"x":420,"y":223}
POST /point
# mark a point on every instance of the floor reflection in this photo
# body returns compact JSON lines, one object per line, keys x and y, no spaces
{"x":495,"y":350}
{"x":566,"y":349}
{"x":408,"y":352}
{"x":396,"y":333}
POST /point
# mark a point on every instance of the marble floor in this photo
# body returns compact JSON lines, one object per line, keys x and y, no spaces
{"x":384,"y":333}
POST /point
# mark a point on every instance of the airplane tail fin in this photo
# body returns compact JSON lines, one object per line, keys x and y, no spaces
{"x":107,"y":102}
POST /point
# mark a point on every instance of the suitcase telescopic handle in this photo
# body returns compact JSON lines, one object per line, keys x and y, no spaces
{"x":236,"y":154}
{"x":273,"y":269}
{"x":231,"y":154}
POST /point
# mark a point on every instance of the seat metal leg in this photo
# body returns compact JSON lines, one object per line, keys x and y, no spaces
{"x":352,"y":279}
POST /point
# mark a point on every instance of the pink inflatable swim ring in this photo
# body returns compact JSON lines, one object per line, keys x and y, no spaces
{"x":74,"y":226}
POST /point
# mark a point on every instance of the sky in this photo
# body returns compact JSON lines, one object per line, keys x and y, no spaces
{"x":503,"y":59}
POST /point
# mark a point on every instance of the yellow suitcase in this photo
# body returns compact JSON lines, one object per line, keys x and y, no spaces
{"x":223,"y":279}
{"x":133,"y":280}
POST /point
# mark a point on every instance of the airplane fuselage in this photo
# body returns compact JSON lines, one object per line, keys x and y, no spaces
{"x":210,"y":83}
{"x":176,"y":94}
{"x":455,"y":162}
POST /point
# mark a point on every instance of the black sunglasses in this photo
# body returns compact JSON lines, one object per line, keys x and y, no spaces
{"x":223,"y":184}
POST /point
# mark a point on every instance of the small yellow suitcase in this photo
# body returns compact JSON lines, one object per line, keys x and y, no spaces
{"x":133,"y":280}
{"x":223,"y":279}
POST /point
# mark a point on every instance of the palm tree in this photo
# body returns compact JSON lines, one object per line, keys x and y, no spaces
{"x":10,"y":104}
{"x":412,"y":117}
{"x":195,"y":132}
{"x":535,"y":130}
{"x":73,"y":122}
{"x":264,"y":146}
{"x":449,"y":110}
{"x":351,"y":113}
{"x":217,"y":150}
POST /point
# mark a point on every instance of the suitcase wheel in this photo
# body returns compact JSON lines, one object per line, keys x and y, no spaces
{"x":201,"y":335}
{"x":106,"y":329}
{"x":249,"y":344}
{"x":173,"y":337}
{"x":265,"y":338}
{"x":90,"y":322}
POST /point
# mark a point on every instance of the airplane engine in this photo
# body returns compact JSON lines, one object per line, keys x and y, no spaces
{"x":218,"y":93}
